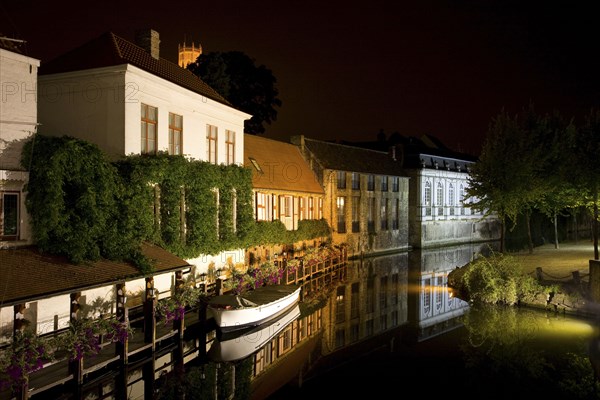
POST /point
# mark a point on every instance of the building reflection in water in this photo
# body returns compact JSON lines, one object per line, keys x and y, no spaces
{"x":432,"y":308}
{"x":368,"y":305}
{"x":364,"y":304}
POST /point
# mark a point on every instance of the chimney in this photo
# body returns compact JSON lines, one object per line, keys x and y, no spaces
{"x":393,"y":152}
{"x":148,"y":40}
{"x":298,"y":140}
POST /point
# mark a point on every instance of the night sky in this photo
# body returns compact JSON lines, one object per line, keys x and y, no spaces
{"x":444,"y":68}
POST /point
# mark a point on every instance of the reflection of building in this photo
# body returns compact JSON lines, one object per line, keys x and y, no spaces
{"x":366,"y":195}
{"x":104,"y":288}
{"x":371,"y":300}
{"x":18,"y":123}
{"x":188,"y":54}
{"x":431,"y":308}
{"x":285,"y":356}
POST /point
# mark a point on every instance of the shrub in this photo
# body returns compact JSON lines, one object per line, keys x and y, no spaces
{"x":499,"y":279}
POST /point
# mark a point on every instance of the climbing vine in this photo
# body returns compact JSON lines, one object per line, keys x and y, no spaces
{"x":76,"y":201}
{"x":85,"y":207}
{"x":274,"y":232}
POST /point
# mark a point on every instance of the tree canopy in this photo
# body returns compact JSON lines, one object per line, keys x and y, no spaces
{"x":504,"y":179}
{"x":533,"y":162}
{"x":248,"y":87}
{"x":586,"y":168}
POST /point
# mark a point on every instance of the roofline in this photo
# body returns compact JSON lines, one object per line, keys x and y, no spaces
{"x":125,"y":68}
{"x":19,"y":56}
{"x":346,"y":145}
{"x":366,"y":173}
{"x":446,"y":158}
{"x":48,"y":295}
{"x":256,"y":188}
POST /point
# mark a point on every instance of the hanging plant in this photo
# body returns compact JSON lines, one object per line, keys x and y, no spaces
{"x":83,"y":336}
{"x":266,"y":274}
{"x":173,"y":308}
{"x":27,"y":354}
{"x":314,"y":256}
{"x":292,"y":265}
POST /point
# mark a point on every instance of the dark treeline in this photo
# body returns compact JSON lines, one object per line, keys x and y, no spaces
{"x":533,"y":164}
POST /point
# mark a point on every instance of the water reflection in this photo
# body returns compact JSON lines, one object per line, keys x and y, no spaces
{"x":242,"y":343}
{"x":380,"y":325}
{"x":539,"y":354}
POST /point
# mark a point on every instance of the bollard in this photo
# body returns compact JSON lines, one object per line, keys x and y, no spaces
{"x":594,"y":283}
{"x":538,"y":273}
{"x":576,"y":277}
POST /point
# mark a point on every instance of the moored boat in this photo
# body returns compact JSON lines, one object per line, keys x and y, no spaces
{"x":254,"y":307}
{"x":241,"y":343}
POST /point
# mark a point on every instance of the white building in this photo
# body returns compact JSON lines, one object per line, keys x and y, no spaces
{"x":127,"y":100}
{"x":39,"y":289}
{"x":18,"y":122}
{"x":439,"y":210}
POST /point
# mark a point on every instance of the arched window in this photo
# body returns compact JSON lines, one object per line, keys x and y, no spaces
{"x":427,"y":296}
{"x":439,"y":293}
{"x":427,"y":198}
{"x":439,"y":198}
{"x":451,"y":198}
{"x":461,"y":199}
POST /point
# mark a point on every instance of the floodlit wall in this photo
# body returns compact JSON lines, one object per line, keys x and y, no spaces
{"x":103,"y":106}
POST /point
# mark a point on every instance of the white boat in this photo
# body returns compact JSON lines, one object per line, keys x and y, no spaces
{"x":241,"y":343}
{"x":254,"y":307}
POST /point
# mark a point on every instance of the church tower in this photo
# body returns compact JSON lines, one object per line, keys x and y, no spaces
{"x":188,"y":54}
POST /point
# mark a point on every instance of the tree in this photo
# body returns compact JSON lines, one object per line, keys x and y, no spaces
{"x":529,"y":159}
{"x":559,"y":194}
{"x":586,"y":168}
{"x":504,"y":180}
{"x":248,"y":87}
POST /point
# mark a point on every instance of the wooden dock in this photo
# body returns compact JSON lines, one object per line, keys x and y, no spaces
{"x":173,"y":344}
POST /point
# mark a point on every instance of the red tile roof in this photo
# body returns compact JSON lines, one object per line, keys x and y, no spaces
{"x":26,"y":274}
{"x":283,"y":167}
{"x":109,"y":50}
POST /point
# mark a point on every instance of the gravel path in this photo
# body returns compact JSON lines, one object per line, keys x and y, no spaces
{"x":559,"y":264}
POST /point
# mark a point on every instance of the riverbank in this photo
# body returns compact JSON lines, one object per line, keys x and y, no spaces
{"x":558,"y":263}
{"x":568,"y":267}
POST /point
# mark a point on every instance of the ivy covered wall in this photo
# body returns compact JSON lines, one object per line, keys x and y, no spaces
{"x":85,"y":207}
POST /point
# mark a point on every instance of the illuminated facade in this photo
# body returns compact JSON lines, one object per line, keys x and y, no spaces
{"x":366,"y":195}
{"x":188,"y":54}
{"x":439,"y":211}
{"x":105,"y":90}
{"x":284,"y":186}
{"x":18,"y":123}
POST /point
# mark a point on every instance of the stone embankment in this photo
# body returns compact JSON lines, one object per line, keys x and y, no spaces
{"x":567,"y":268}
{"x":571,"y":298}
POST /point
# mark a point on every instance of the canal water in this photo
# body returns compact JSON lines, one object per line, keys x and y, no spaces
{"x":388,"y":326}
